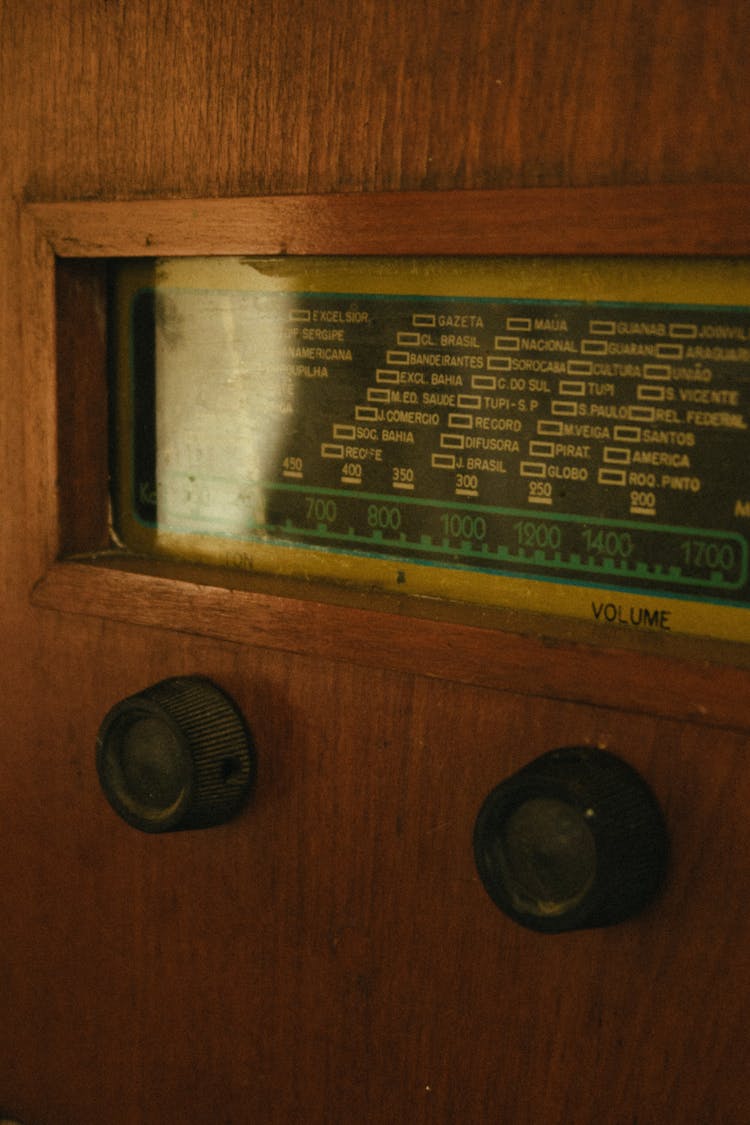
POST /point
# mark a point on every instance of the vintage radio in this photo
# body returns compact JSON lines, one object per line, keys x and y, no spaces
{"x":376,"y":607}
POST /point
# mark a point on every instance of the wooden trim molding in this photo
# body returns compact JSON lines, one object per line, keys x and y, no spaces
{"x":486,"y":649}
{"x":684,"y":219}
{"x":482,"y":648}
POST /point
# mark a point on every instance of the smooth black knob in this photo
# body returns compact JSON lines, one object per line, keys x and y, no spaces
{"x":574,"y":840}
{"x":177,"y":755}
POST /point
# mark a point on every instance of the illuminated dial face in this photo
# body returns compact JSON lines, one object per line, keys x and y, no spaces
{"x":562,"y":436}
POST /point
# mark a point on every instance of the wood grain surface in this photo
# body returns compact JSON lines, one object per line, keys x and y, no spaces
{"x":330,"y":956}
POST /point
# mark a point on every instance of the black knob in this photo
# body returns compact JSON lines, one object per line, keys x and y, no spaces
{"x":177,"y":755}
{"x":574,"y":840}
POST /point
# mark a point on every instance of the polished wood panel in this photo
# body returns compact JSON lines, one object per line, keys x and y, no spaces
{"x":192,"y":98}
{"x":330,"y":956}
{"x":331,"y":953}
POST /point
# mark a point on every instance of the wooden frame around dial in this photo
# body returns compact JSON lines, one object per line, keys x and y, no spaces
{"x":72,"y":567}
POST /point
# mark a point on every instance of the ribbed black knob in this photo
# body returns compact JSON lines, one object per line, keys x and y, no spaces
{"x":574,"y":840}
{"x":177,"y":755}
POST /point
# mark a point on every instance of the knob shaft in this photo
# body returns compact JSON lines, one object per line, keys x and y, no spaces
{"x":574,"y":840}
{"x":177,"y":755}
